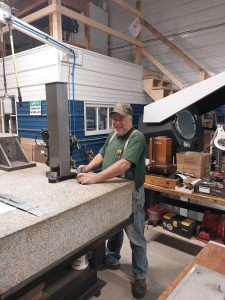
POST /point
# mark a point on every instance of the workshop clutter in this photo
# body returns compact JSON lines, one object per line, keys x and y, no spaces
{"x":170,"y":181}
{"x":208,"y":136}
{"x":212,"y":227}
{"x":196,"y":164}
{"x":34,"y":151}
{"x":160,"y":150}
{"x":154,"y":214}
{"x":211,"y":186}
{"x":179,"y":224}
{"x":80,"y":263}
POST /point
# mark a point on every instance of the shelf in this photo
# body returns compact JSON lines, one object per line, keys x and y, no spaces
{"x":193,"y":240}
{"x":204,"y":198}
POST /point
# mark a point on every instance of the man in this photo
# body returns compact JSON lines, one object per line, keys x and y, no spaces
{"x":123,"y":154}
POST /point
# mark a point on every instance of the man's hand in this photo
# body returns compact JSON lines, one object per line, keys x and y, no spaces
{"x":87,"y":178}
{"x":82,"y":169}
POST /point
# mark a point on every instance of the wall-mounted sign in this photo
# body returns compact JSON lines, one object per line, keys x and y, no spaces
{"x":35,"y":108}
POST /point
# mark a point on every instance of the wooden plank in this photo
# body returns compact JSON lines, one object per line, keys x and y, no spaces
{"x":161,"y":37}
{"x":151,"y":73}
{"x":25,"y":7}
{"x":129,"y":8}
{"x":86,"y":28}
{"x":203,"y":198}
{"x":40,"y":14}
{"x":151,"y":58}
{"x":55,"y":22}
{"x":88,"y":21}
{"x":36,"y":15}
{"x":174,"y":48}
{"x":212,"y":256}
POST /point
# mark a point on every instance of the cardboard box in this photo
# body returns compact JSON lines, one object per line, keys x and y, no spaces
{"x":193,"y":163}
{"x":33,"y":151}
{"x":39,"y":154}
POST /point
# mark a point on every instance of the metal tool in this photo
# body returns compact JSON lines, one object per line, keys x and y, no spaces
{"x":30,"y":207}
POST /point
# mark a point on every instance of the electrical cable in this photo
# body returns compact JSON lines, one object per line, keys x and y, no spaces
{"x":60,"y":45}
{"x":14,"y":65}
{"x":73,"y":92}
{"x":68,"y":89}
{"x":3,"y":60}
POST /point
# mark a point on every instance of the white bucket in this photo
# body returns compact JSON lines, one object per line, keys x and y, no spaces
{"x":81,"y":263}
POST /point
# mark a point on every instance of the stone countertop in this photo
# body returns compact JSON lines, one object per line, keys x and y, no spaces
{"x":76,"y":214}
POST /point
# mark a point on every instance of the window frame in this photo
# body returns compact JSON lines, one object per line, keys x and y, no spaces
{"x":97,"y":105}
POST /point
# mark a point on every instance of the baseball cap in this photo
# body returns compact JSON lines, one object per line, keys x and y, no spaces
{"x":122,"y":109}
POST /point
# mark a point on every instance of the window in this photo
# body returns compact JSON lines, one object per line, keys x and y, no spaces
{"x":97,"y":118}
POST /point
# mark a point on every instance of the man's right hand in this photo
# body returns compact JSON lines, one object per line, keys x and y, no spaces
{"x":82,"y":169}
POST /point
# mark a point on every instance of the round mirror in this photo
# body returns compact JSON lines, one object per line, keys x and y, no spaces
{"x":185,"y":124}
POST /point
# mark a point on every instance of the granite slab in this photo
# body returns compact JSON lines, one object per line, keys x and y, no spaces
{"x":76,"y":215}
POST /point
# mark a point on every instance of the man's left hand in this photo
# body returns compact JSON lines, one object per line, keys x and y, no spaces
{"x":87,"y":178}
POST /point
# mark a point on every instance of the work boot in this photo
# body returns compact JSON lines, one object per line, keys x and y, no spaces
{"x":138,"y":288}
{"x":111,"y":266}
{"x":108,"y":265}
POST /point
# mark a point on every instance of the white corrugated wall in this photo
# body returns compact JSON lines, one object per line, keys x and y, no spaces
{"x":100,"y":78}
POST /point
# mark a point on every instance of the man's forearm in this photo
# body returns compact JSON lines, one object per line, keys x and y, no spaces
{"x":95,"y":163}
{"x":114,"y":170}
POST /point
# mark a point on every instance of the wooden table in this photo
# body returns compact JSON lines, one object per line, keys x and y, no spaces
{"x":211,"y":256}
{"x":203,"y":198}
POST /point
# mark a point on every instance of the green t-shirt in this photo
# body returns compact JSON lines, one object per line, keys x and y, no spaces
{"x":113,"y":150}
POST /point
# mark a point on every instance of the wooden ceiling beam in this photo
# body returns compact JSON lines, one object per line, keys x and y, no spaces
{"x":128,"y":7}
{"x":25,"y":8}
{"x":46,"y":11}
{"x":166,"y":72}
{"x":91,"y":22}
{"x":162,"y":38}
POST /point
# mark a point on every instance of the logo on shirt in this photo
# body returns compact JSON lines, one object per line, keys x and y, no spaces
{"x":119,"y":153}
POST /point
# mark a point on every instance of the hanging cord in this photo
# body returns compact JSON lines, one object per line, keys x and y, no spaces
{"x":73,"y":92}
{"x":14,"y":65}
{"x":3,"y":60}
{"x":68,"y":88}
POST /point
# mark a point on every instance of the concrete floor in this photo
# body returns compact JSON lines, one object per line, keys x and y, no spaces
{"x":167,"y":256}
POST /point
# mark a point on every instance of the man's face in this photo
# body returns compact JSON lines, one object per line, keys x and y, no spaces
{"x":121,"y":124}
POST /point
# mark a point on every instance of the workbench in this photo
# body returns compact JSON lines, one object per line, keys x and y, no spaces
{"x":200,"y":197}
{"x":79,"y":219}
{"x":212,"y":256}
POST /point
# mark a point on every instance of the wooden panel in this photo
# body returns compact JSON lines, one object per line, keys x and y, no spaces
{"x":212,"y":257}
{"x":153,"y":59}
{"x":202,"y":198}
{"x":74,"y":15}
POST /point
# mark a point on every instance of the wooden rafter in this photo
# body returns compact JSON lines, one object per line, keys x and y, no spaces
{"x":46,"y":11}
{"x":25,"y":8}
{"x":55,"y":21}
{"x":162,"y":38}
{"x":91,"y":22}
{"x":149,"y":56}
{"x":86,"y":28}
